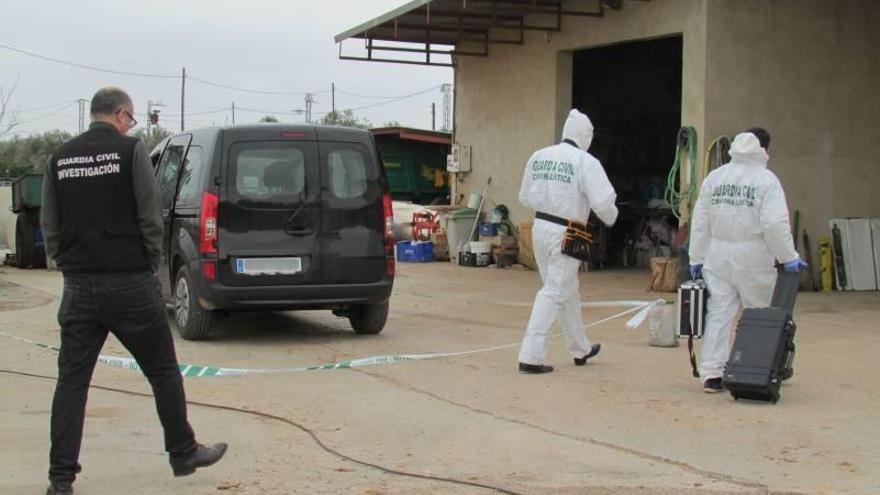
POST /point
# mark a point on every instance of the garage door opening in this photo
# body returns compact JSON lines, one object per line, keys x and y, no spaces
{"x":632,"y":94}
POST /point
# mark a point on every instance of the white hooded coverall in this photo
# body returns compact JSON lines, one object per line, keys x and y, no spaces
{"x":739,"y":226}
{"x":565,"y":181}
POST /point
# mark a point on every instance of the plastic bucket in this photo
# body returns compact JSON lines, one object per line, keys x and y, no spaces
{"x":661,"y":326}
{"x":482,"y":251}
{"x":474,"y":200}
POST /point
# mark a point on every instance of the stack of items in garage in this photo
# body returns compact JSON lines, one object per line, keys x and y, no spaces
{"x":498,"y":234}
{"x":421,"y":248}
{"x":441,"y":246}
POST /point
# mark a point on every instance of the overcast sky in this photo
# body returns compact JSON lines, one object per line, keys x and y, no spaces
{"x":277,"y":46}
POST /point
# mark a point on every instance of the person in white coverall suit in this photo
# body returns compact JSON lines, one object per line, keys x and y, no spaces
{"x":562,"y":182}
{"x":739,"y":227}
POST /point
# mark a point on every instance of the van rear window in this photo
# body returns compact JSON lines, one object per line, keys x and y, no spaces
{"x":267,"y":174}
{"x":348,"y":173}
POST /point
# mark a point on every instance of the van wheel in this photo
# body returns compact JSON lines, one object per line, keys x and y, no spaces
{"x":24,"y":242}
{"x":368,"y":318}
{"x":193,"y":321}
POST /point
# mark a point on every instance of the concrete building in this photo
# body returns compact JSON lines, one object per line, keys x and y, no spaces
{"x":807,"y":70}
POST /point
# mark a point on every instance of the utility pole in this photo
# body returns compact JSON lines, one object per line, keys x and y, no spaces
{"x":233,"y":113}
{"x":182,"y":99}
{"x":82,"y":114}
{"x":333,"y":99}
{"x":310,"y":99}
{"x":446,"y":89}
{"x":152,"y":115}
{"x":433,"y":116}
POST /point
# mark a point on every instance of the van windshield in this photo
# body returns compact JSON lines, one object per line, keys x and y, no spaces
{"x":267,"y":174}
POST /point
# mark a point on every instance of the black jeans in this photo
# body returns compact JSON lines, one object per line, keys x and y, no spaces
{"x":130,"y":306}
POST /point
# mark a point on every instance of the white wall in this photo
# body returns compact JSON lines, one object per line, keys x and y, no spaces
{"x":808,"y":71}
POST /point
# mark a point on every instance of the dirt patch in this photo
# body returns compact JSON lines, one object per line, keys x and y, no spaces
{"x":14,"y":297}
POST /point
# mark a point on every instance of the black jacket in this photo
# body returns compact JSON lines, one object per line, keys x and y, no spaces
{"x":100,"y":209}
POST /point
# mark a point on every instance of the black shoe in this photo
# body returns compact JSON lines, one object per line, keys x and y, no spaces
{"x":713,"y":386}
{"x":64,"y":488}
{"x":534,"y":369}
{"x":204,"y":456}
{"x":593,"y":351}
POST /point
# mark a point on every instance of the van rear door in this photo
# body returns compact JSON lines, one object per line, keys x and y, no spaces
{"x":270,"y":210}
{"x":353,"y":224}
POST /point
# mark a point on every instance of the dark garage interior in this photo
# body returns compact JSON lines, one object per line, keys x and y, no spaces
{"x":632,"y":94}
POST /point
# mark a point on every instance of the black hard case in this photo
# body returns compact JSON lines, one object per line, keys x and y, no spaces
{"x":763,"y":350}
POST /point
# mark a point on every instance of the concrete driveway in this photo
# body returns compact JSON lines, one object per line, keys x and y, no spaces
{"x":632,"y":422}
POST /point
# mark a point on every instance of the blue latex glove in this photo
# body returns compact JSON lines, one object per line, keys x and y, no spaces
{"x":696,"y":271}
{"x":794,"y":266}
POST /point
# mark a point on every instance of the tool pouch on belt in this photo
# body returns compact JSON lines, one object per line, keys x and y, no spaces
{"x":577,"y":240}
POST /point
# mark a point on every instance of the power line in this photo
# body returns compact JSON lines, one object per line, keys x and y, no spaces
{"x":43,"y":107}
{"x":216,"y":110}
{"x":380,"y":97}
{"x":87,"y":67}
{"x":255,"y":91}
{"x":269,"y":112}
{"x":365,"y":96}
{"x":397,"y":98}
{"x":146,"y":74}
{"x":55,"y":112}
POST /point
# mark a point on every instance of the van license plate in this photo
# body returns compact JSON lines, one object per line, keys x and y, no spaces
{"x":268,"y":266}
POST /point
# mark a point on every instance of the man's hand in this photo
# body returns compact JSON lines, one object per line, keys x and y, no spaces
{"x":794,"y":266}
{"x":696,"y":272}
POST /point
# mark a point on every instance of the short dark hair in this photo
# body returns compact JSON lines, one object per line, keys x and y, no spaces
{"x":762,"y":135}
{"x":108,"y":100}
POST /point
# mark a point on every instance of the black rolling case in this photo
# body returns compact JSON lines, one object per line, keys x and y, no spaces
{"x":763,"y":350}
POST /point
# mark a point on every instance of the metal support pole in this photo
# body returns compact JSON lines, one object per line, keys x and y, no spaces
{"x":82,"y":114}
{"x":182,"y":100}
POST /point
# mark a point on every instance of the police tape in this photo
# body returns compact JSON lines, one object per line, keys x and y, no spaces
{"x":195,"y":371}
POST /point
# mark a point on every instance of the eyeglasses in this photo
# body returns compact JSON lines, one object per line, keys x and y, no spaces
{"x":132,"y":123}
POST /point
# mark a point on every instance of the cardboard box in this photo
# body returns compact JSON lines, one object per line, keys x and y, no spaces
{"x":500,"y":240}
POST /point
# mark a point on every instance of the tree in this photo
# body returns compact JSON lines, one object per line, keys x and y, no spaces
{"x":392,"y":123}
{"x":157,"y":134}
{"x":8,"y":118}
{"x":269,"y":119}
{"x":345,"y":118}
{"x":20,"y":156}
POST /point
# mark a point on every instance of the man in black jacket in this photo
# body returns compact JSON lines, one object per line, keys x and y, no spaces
{"x":102,"y":225}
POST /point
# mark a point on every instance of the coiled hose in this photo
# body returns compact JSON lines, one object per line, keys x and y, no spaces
{"x":685,"y":161}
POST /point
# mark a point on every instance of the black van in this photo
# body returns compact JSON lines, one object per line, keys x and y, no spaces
{"x":275,"y":217}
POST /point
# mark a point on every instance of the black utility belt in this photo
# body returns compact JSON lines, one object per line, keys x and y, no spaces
{"x":551,"y":218}
{"x":578,"y":238}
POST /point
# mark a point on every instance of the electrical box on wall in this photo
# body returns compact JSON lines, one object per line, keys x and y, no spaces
{"x":460,"y":159}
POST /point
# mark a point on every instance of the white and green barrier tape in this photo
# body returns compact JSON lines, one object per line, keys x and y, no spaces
{"x":192,"y":370}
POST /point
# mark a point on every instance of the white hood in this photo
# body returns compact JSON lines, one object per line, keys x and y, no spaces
{"x":579,"y":129}
{"x":747,"y":148}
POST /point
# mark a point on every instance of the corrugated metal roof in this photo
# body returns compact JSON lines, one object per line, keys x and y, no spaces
{"x":437,"y":31}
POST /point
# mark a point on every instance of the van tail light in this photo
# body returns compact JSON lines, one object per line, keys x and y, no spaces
{"x":388,"y":212}
{"x":208,"y":224}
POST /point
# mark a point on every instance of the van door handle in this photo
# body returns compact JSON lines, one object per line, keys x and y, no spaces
{"x":298,"y":231}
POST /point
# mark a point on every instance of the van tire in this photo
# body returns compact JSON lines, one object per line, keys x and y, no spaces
{"x":193,"y":322}
{"x":24,"y":242}
{"x":368,"y":319}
